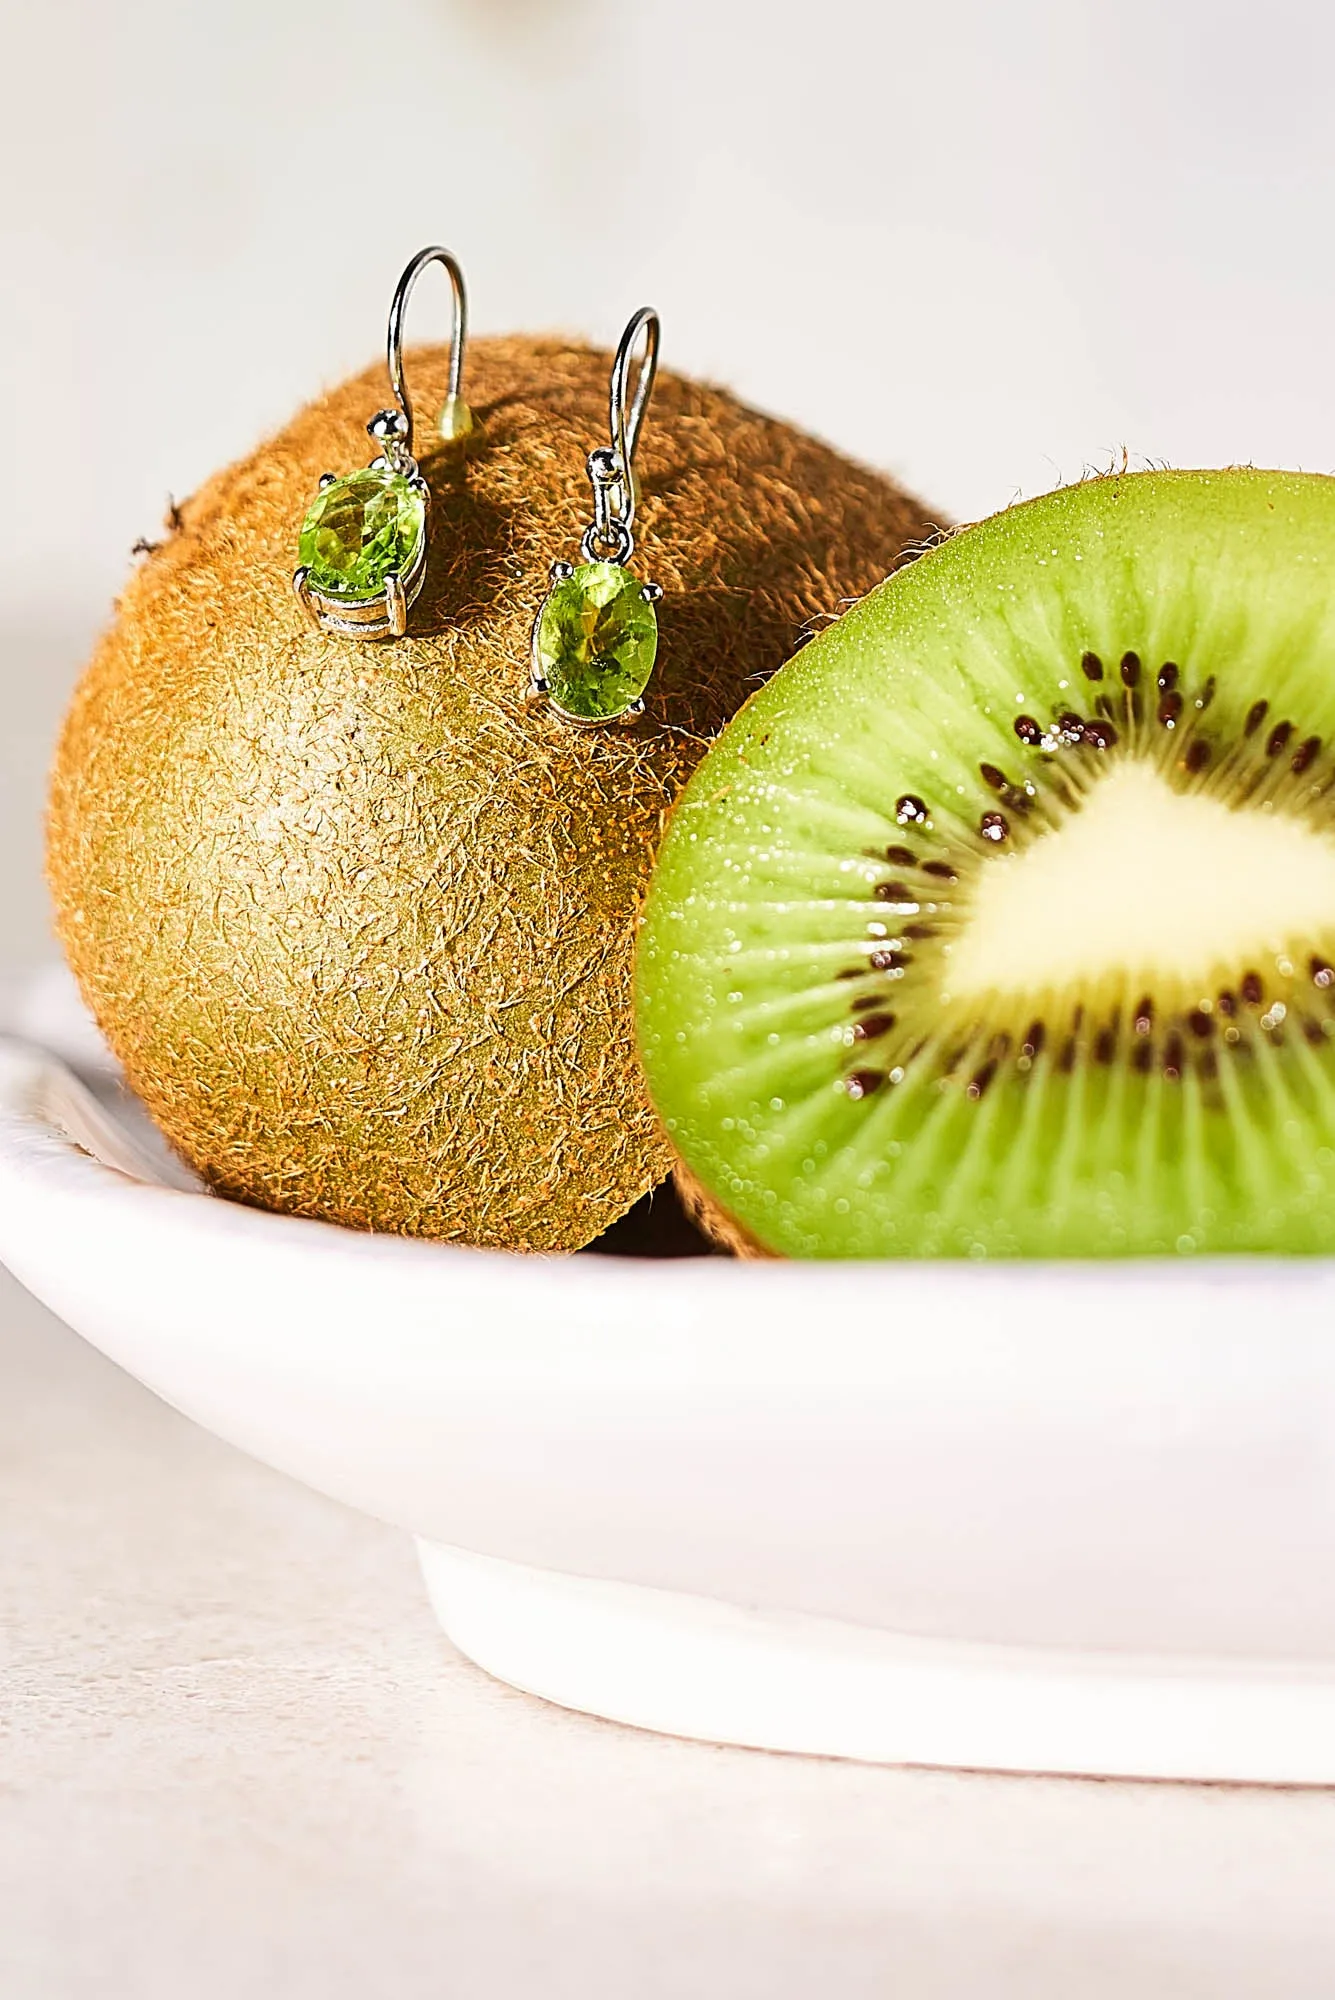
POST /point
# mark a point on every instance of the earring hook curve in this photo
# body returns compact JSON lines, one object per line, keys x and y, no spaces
{"x":435,"y":253}
{"x":626,"y":428}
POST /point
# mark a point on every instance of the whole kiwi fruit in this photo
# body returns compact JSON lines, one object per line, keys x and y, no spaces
{"x":357,"y":923}
{"x":1001,"y":921}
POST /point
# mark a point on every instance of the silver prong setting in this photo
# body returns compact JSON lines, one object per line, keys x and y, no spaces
{"x":651,"y":592}
{"x":559,"y":571}
{"x":327,"y":479}
{"x":301,"y":585}
{"x":396,"y":605}
{"x":381,"y":614}
{"x":630,"y":716}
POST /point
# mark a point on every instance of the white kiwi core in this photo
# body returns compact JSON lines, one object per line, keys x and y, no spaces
{"x":1143,"y":882}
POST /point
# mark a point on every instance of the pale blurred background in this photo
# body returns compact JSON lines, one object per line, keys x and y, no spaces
{"x":980,"y":246}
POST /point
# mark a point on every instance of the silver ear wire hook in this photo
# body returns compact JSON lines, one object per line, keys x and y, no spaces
{"x":454,"y":405}
{"x":626,"y":432}
{"x":612,"y":467}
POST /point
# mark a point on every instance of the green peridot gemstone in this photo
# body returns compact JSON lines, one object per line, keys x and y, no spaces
{"x":596,"y":641}
{"x":359,"y":530}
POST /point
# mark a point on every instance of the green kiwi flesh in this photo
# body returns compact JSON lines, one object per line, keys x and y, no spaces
{"x":1001,"y":921}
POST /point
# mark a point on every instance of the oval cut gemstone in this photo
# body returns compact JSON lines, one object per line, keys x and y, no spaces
{"x":596,"y":641}
{"x":359,"y":530}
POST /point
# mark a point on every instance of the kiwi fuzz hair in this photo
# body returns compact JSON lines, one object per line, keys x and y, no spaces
{"x":1001,"y":922}
{"x":713,"y":1220}
{"x":357,"y":922}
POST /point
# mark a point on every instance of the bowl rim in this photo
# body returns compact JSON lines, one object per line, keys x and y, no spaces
{"x":58,"y":1136}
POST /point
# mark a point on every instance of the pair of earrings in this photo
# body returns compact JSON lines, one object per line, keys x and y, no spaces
{"x":363,"y":543}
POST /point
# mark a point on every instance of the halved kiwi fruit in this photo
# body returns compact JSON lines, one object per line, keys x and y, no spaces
{"x":1002,"y":921}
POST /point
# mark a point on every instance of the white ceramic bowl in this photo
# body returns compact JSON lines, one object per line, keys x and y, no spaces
{"x":1061,"y":1518}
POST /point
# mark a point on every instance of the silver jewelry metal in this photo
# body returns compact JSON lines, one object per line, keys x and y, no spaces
{"x":610,"y":536}
{"x":383,"y":614}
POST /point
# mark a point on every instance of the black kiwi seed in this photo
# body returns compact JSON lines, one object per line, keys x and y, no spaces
{"x":1186,"y":1045}
{"x":862,"y":1082}
{"x":980,"y":1079}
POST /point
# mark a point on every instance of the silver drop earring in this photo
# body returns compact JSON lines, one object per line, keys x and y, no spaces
{"x":596,"y":632}
{"x":363,"y":542}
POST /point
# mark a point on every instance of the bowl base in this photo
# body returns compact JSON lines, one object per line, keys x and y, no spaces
{"x":689,"y":1666}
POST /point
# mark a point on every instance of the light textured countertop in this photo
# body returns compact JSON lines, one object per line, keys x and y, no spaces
{"x":237,"y":1757}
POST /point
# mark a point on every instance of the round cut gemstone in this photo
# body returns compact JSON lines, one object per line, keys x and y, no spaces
{"x":596,"y":641}
{"x":361,"y":529}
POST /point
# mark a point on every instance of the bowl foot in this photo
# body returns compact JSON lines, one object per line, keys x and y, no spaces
{"x":688,"y":1666}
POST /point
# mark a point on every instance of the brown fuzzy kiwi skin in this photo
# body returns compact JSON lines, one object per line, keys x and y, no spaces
{"x":357,"y":923}
{"x":714,"y":1223}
